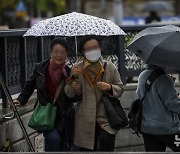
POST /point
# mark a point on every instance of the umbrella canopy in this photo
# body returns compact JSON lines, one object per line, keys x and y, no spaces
{"x":155,"y":6}
{"x":74,"y":24}
{"x":158,"y":46}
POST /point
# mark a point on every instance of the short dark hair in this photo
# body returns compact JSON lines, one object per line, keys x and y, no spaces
{"x":85,"y":39}
{"x":60,"y":41}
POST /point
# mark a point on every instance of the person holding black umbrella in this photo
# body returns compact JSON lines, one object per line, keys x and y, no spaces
{"x":159,"y":47}
{"x":153,"y":17}
{"x":160,"y":125}
{"x":153,"y":7}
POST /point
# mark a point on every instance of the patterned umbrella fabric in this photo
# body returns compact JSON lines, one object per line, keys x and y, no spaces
{"x":74,"y":24}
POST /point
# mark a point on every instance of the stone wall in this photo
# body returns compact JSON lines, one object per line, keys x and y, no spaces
{"x":10,"y":129}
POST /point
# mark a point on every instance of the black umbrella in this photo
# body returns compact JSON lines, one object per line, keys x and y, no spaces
{"x":155,"y":6}
{"x":158,"y":46}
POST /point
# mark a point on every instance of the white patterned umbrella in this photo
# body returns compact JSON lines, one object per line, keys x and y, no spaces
{"x":75,"y":24}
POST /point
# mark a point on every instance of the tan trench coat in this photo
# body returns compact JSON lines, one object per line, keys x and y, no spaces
{"x":91,"y":109}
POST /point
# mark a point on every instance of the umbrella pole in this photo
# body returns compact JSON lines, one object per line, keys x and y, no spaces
{"x":77,"y":60}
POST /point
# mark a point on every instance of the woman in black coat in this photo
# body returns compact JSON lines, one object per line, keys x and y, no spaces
{"x":45,"y":79}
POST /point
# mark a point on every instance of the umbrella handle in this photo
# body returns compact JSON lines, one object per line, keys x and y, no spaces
{"x":77,"y":59}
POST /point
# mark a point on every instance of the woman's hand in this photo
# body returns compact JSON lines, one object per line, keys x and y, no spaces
{"x":103,"y":86}
{"x":77,"y":86}
{"x":16,"y":103}
{"x":76,"y":70}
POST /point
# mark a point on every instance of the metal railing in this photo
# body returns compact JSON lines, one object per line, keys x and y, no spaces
{"x":18,"y":55}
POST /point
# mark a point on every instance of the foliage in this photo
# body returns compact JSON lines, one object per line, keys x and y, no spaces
{"x":56,"y":6}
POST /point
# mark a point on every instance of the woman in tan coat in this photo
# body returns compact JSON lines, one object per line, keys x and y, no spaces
{"x":92,"y":129}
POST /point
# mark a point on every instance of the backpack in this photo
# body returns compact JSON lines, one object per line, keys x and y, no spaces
{"x":135,"y":113}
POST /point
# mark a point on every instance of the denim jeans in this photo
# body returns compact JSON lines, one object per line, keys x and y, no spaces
{"x":55,"y":140}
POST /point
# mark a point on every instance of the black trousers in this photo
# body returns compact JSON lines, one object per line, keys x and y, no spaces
{"x":158,"y":143}
{"x":103,"y":141}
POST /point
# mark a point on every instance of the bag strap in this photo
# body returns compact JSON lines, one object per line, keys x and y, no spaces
{"x":58,"y":91}
{"x":102,"y":76}
{"x":151,"y":78}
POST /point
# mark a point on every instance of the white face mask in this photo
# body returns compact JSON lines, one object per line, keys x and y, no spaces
{"x":93,"y":55}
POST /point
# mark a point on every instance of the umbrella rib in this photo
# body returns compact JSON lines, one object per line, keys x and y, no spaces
{"x":161,"y":42}
{"x":164,"y":40}
{"x":145,"y":35}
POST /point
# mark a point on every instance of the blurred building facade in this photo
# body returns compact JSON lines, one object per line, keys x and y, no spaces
{"x":131,"y":8}
{"x":36,"y":10}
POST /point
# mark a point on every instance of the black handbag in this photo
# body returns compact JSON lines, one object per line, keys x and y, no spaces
{"x":115,"y":113}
